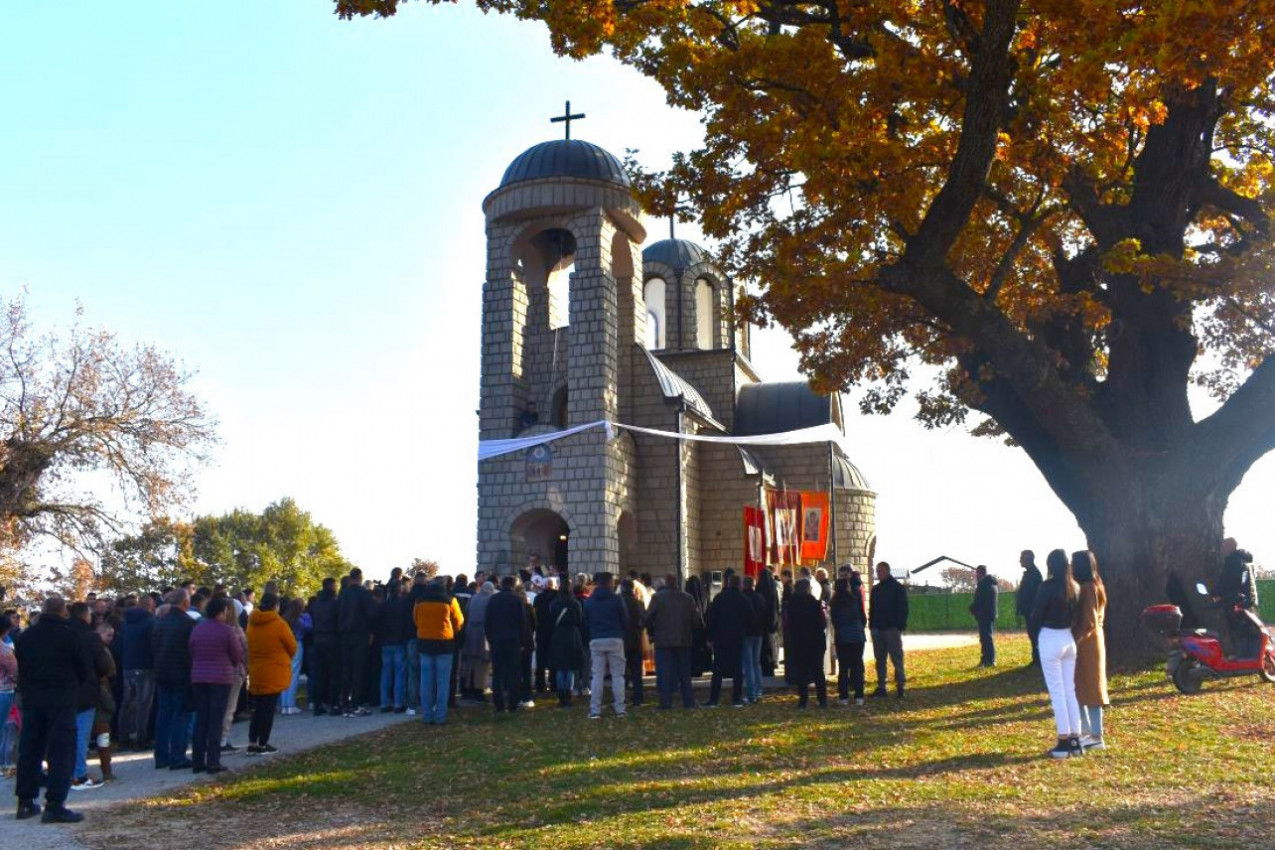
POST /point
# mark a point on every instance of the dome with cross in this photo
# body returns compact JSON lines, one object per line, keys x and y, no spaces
{"x":566,"y":158}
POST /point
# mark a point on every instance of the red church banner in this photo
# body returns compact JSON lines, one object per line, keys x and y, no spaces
{"x":784,"y":515}
{"x":814,"y":526}
{"x":754,"y":540}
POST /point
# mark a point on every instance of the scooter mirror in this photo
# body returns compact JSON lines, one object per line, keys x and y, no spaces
{"x":1201,"y":589}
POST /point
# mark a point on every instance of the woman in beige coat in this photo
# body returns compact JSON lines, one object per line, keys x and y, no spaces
{"x":1091,"y":648}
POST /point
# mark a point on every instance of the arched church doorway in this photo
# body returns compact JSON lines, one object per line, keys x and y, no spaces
{"x":540,"y":532}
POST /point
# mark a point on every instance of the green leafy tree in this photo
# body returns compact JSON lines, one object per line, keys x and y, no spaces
{"x":160,"y":555}
{"x":282,"y":543}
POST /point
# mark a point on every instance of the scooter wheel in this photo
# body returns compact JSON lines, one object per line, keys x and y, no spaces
{"x":1183,"y":680}
{"x":1268,"y":666}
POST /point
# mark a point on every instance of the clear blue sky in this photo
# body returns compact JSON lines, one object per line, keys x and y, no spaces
{"x":290,"y":204}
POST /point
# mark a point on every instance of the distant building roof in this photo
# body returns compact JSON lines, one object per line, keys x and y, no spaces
{"x":676,"y":387}
{"x":771,"y":408}
{"x":566,"y":158}
{"x":677,"y":254}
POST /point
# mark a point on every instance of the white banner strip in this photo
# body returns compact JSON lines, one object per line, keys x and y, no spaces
{"x":488,"y":449}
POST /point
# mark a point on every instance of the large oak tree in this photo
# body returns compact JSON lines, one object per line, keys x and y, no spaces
{"x":1063,"y":204}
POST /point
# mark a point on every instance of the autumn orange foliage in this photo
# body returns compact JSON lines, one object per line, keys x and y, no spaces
{"x":1063,"y":204}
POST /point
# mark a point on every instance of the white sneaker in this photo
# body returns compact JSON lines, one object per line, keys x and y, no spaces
{"x":527,"y":704}
{"x":411,"y":712}
{"x":1089,"y":742}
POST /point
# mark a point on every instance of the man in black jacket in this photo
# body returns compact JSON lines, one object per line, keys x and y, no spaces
{"x":887,"y":619}
{"x":984,"y":610}
{"x":730,"y":617}
{"x":391,"y":631}
{"x":52,"y":663}
{"x":1026,"y":601}
{"x":170,"y":642}
{"x":507,"y":634}
{"x":356,"y":612}
{"x":545,"y":597}
{"x":325,"y":660}
{"x":752,"y":642}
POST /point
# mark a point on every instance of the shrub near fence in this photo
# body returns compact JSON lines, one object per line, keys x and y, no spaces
{"x":949,"y":612}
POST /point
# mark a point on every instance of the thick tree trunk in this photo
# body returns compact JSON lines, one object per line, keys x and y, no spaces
{"x":1141,"y":531}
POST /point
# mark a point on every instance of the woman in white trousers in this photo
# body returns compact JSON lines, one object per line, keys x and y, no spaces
{"x":1052,"y":614}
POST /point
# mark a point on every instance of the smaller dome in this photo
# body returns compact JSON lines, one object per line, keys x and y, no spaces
{"x":846,"y":476}
{"x":677,"y":254}
{"x":566,"y":158}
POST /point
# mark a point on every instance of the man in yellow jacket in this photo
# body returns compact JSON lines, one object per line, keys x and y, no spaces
{"x":438,"y":622}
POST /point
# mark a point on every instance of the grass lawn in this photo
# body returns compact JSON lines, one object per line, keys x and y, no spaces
{"x":958,"y":764}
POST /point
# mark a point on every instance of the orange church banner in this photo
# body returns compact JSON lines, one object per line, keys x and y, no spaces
{"x":754,"y":540}
{"x":814,"y":526}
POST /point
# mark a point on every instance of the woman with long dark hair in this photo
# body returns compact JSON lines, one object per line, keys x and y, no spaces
{"x":849,"y":624}
{"x":1052,"y":614}
{"x":1091,"y":648}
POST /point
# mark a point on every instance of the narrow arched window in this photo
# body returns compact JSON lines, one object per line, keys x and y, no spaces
{"x":705,"y":316}
{"x":560,"y":297}
{"x":654,"y":294}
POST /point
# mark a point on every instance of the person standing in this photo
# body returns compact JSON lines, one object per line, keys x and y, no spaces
{"x":809,"y":628}
{"x":753,"y":635}
{"x":673,"y":620}
{"x":301,"y":624}
{"x":769,"y":592}
{"x":8,"y":690}
{"x":171,"y":645}
{"x":849,"y":631}
{"x":476,"y":651}
{"x":1091,"y":649}
{"x":271,"y":646}
{"x":635,"y":611}
{"x":325,"y":659}
{"x":412,"y":649}
{"x":215,"y":653}
{"x":89,"y":693}
{"x":525,"y":658}
{"x":607,"y":622}
{"x":138,"y":662}
{"x":729,"y":619}
{"x":888,"y":619}
{"x":544,"y":603}
{"x":104,"y":712}
{"x":1026,"y":601}
{"x":52,"y":662}
{"x":356,"y":612}
{"x":984,"y":609}
{"x":392,"y":628}
{"x":566,"y":645}
{"x":506,"y":626}
{"x":1053,"y":614}
{"x":240,"y":675}
{"x":437,"y":620}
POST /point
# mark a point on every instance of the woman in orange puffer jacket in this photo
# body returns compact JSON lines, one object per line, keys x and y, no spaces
{"x":271,"y":646}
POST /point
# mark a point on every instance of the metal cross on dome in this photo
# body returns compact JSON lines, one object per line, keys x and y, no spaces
{"x":567,"y":118}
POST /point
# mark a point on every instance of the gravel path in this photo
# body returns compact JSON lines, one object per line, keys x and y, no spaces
{"x":139,"y":779}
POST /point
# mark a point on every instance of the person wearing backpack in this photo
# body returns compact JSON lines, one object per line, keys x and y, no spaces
{"x":849,"y":628}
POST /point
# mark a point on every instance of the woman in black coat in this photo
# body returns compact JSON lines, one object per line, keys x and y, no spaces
{"x":849,"y":628}
{"x":769,"y":591}
{"x":730,"y":618}
{"x":566,"y":646}
{"x":701,"y":655}
{"x":807,"y":626}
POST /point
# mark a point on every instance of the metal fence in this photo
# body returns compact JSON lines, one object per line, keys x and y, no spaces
{"x":949,"y":612}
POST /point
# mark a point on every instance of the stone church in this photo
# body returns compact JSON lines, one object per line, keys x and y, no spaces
{"x":581,"y":324}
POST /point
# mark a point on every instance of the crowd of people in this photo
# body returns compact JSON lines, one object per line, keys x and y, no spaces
{"x":169,"y":672}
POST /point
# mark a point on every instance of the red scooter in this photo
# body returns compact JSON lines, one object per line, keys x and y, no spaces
{"x":1195,"y":654}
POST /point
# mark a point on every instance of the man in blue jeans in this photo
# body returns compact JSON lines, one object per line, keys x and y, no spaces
{"x":171,"y":644}
{"x":672,"y":620}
